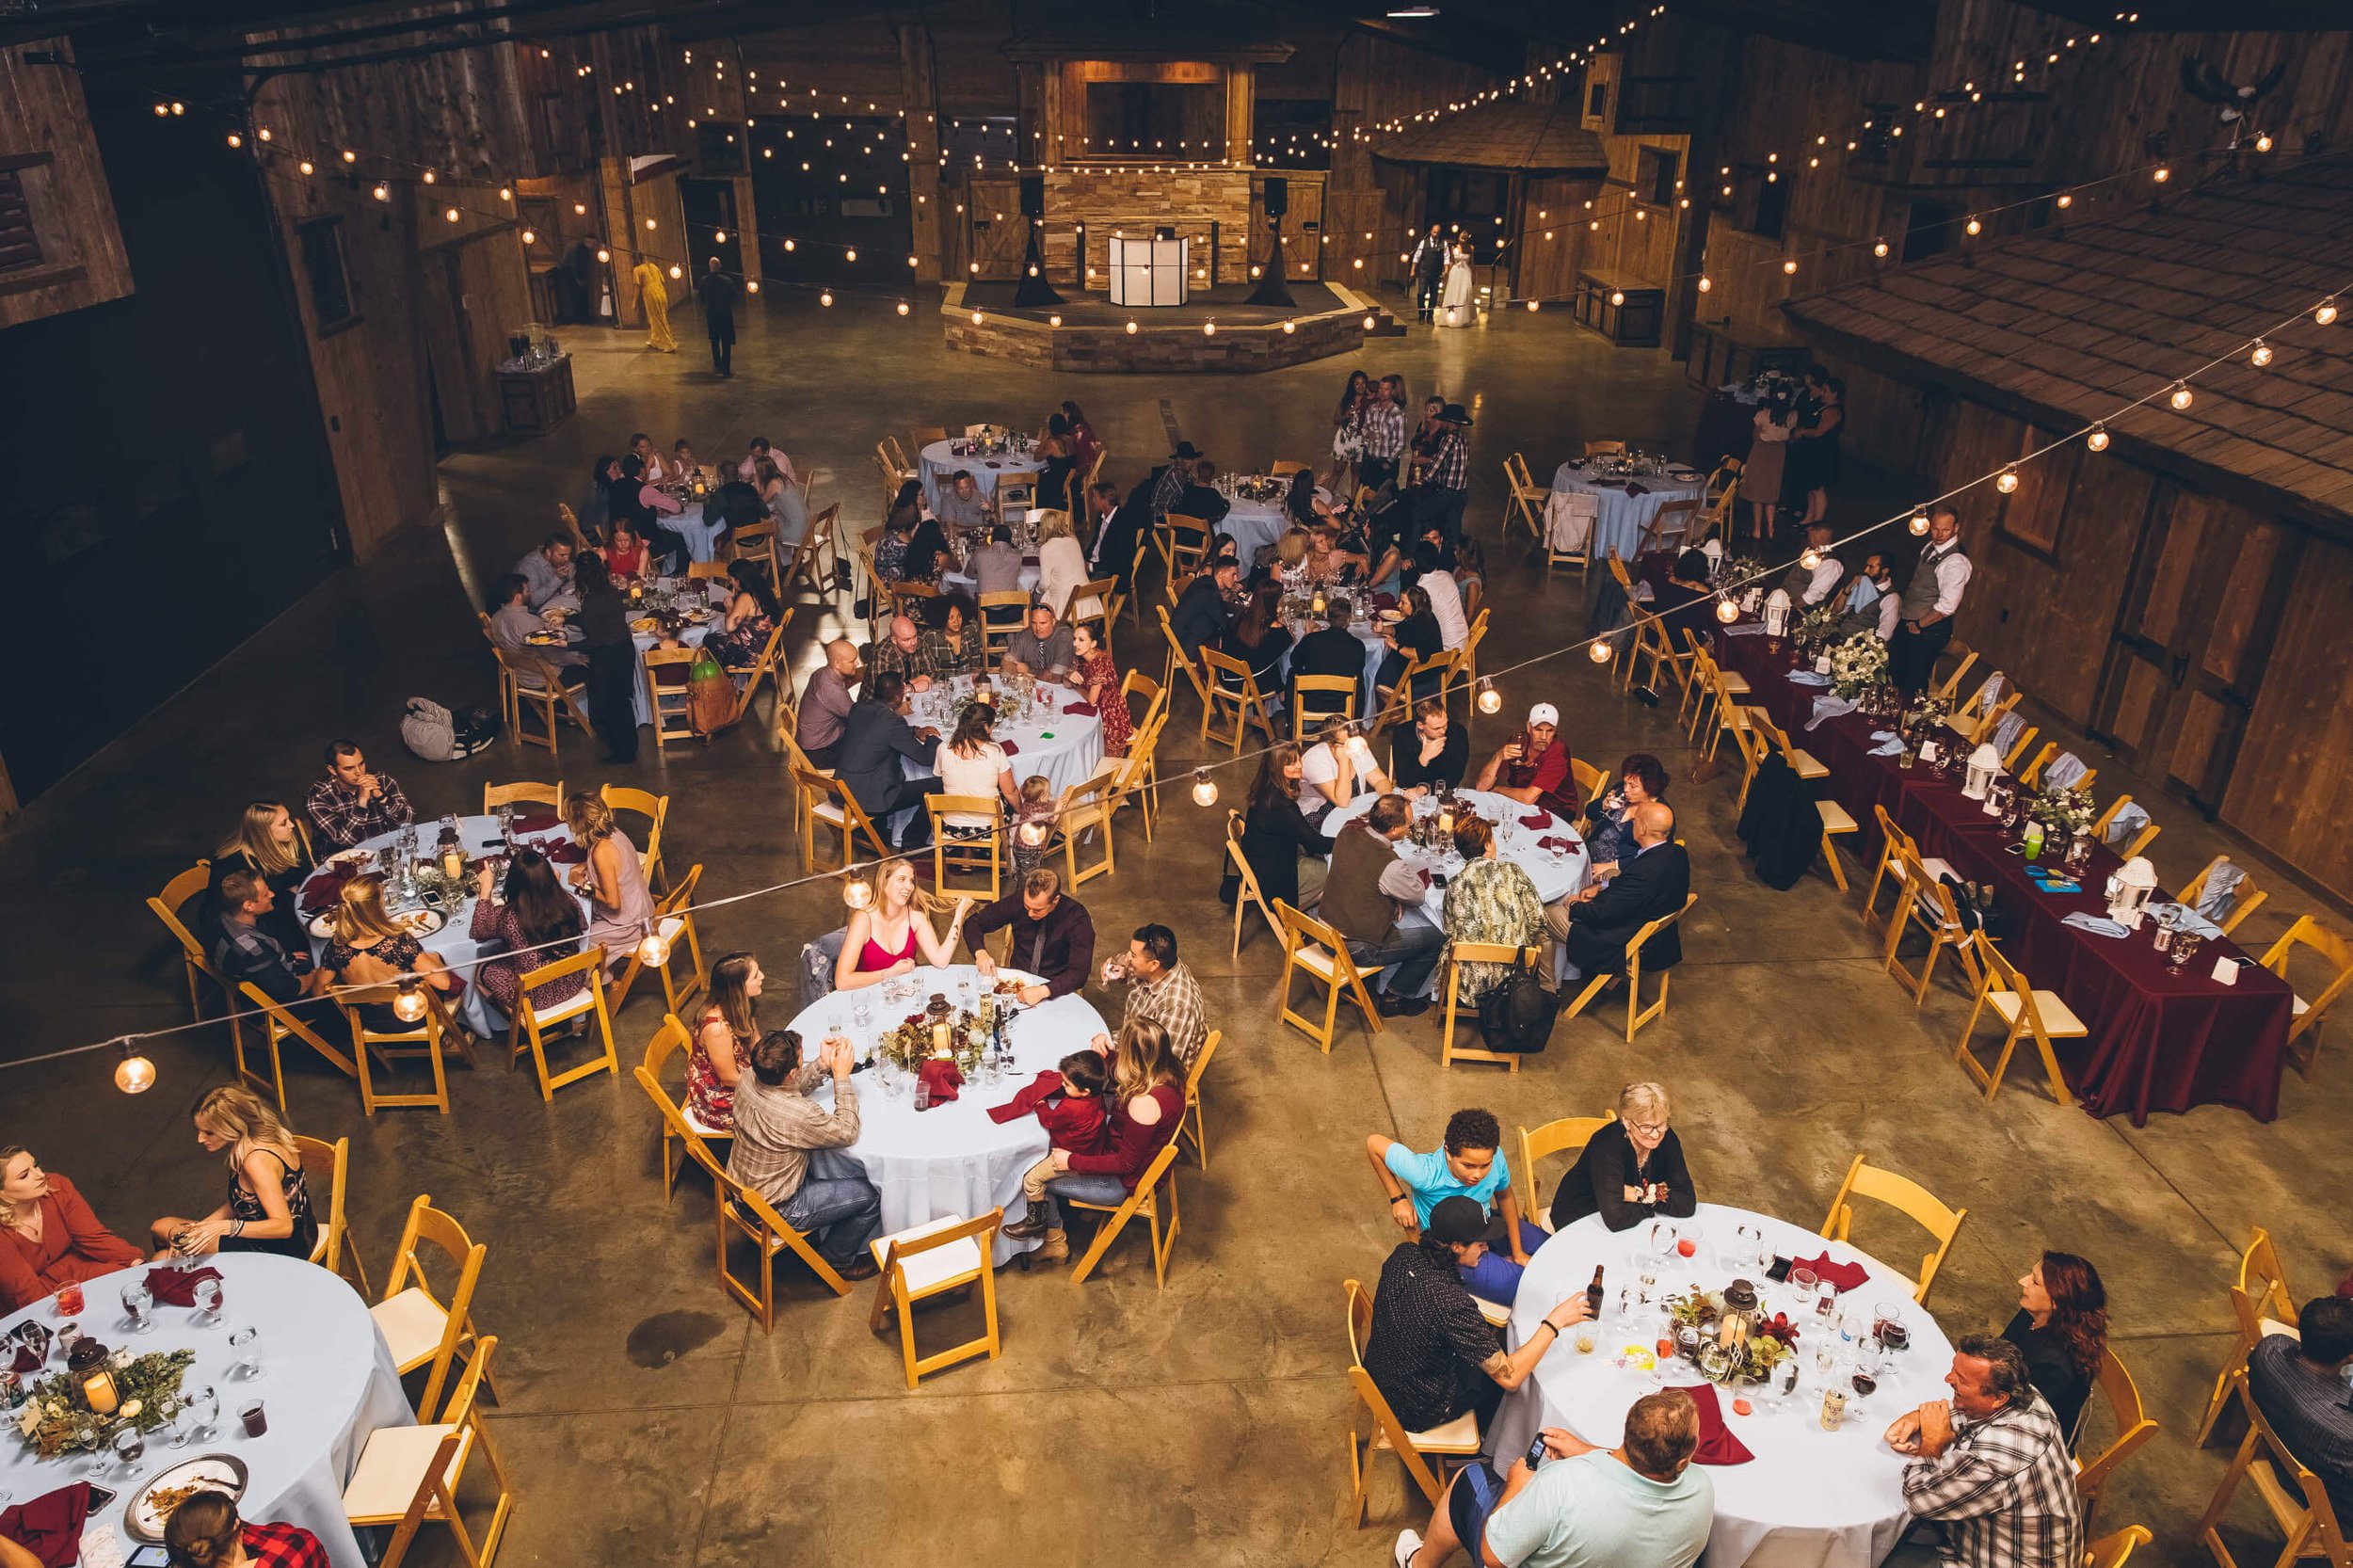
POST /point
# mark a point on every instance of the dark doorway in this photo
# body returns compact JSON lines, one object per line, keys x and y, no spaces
{"x":1477,"y":201}
{"x":850,"y":197}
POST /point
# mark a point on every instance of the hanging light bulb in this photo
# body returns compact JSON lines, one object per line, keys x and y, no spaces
{"x":1208,"y":328}
{"x":2162,"y":175}
{"x":2327,"y":311}
{"x":450,"y":214}
{"x":305,"y":166}
{"x":1288,"y":328}
{"x":236,"y":140}
{"x":1791,"y":266}
{"x":2260,"y":355}
{"x":853,"y":255}
{"x":135,"y":1074}
{"x":1974,"y":227}
{"x":1053,"y":320}
{"x":1034,"y":833}
{"x":1727,"y":609}
{"x":1707,"y":282}
{"x":2007,"y":482}
{"x":2065,"y":201}
{"x":903,"y":306}
{"x":408,"y":1003}
{"x":1131,"y":328}
{"x":349,"y":156}
{"x":751,"y":285}
{"x":677,"y":271}
{"x":1879,"y":249}
{"x":825,"y":298}
{"x":1490,"y":700}
{"x":1809,"y":557}
{"x":531,"y":236}
{"x":857,"y":890}
{"x":602,"y":254}
{"x":262,"y":132}
{"x":1598,"y":651}
{"x":382,"y":193}
{"x":654,"y":950}
{"x":791,"y":245}
{"x":2180,"y":395}
{"x":977,"y":318}
{"x":1919,"y":523}
{"x":1532,"y":307}
{"x":2262,"y":142}
{"x":428,"y":176}
{"x":1204,"y":788}
{"x":1369,"y":324}
{"x":506,"y":193}
{"x":2098,"y":438}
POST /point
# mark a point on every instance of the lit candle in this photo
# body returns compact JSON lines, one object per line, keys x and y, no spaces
{"x":1446,"y":821}
{"x":939,"y":1039}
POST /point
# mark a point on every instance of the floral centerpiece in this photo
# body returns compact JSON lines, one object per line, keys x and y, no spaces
{"x":1928,"y":710}
{"x":1739,"y":573}
{"x":2063,"y":813}
{"x":1744,"y":1356}
{"x":1818,"y":625}
{"x":916,"y":1038}
{"x":54,"y":1420}
{"x":1857,"y":664}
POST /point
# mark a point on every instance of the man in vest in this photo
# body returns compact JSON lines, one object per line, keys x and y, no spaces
{"x":1810,"y":585}
{"x":1931,"y":599}
{"x":1367,"y":898}
{"x":1871,"y":600}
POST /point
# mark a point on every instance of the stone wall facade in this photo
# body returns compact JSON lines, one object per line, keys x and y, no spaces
{"x":1137,"y":200}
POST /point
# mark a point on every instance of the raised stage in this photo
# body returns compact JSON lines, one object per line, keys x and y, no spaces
{"x":1089,"y":333}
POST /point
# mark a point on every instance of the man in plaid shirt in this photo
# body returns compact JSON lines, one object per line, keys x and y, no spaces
{"x":1993,"y":1466}
{"x":350,"y":803}
{"x":1445,"y":486}
{"x":1164,"y":990}
{"x":1382,"y":432}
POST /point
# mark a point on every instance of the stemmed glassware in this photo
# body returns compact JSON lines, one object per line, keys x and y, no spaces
{"x":208,"y":1297}
{"x":244,"y":1340}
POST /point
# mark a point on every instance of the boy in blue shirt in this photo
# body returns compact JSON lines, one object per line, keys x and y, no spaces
{"x":1470,"y":1165}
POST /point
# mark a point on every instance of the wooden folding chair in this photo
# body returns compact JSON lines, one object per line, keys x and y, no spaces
{"x":1001,"y":616}
{"x":1133,"y":598}
{"x":1524,"y":500}
{"x":2132,"y":1426}
{"x":422,"y":1326}
{"x":817,"y":541}
{"x":1926,"y":904}
{"x":408,"y":1476}
{"x":528,"y":1030}
{"x":1392,"y":705}
{"x":756,"y":541}
{"x":983,"y":857}
{"x":279,"y":1025}
{"x":1098,"y":592}
{"x":1949,"y":688}
{"x":549,"y":795}
{"x":1178,"y":660}
{"x":656,"y":810}
{"x":751,"y":1216}
{"x":2017,"y":749}
{"x":707,"y":571}
{"x":327,"y":1167}
{"x":2139,"y":843}
{"x":2303,"y":1031}
{"x":1653,"y":642}
{"x":665,"y":699}
{"x":1562,"y":1135}
{"x":1193,"y":1125}
{"x":2115,"y":1550}
{"x":944,"y":1256}
{"x":1322,"y":953}
{"x":2260,"y":1304}
{"x":1086,"y":808}
{"x":680,"y":1131}
{"x":1636,"y":1013}
{"x":1604,"y":449}
{"x":1465,"y":678}
{"x":1895,"y":845}
{"x":1015,"y":494}
{"x":827,"y":800}
{"x":1160,"y":1213}
{"x":2043,"y":1015}
{"x":530,"y":680}
{"x":1671,"y":526}
{"x":2029,"y":776}
{"x":428,"y":1039}
{"x":1184,"y":543}
{"x":1458,"y":955}
{"x":2305,"y":1516}
{"x":923,"y":435}
{"x":195,"y":962}
{"x":674,"y":922}
{"x":1457,"y":1439}
{"x":1232,"y":686}
{"x":1579,"y":519}
{"x":2245,"y":898}
{"x":762,"y":669}
{"x":1836,"y":821}
{"x":1249,"y":895}
{"x":1588,"y":778}
{"x":1316,"y":699}
{"x":1904,"y":1195}
{"x":1719,"y":498}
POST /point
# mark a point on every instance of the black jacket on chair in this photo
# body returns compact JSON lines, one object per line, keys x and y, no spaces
{"x":1647,"y":886}
{"x":1780,"y":824}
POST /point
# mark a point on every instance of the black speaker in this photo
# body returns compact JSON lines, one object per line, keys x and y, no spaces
{"x":1034,"y":196}
{"x":1278,"y":195}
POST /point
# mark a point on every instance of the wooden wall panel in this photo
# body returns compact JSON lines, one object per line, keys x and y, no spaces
{"x":1374,"y":79}
{"x":45,"y":130}
{"x":2291,"y":791}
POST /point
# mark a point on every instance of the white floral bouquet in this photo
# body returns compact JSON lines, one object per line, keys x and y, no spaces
{"x":1857,"y":665}
{"x":2063,"y":813}
{"x":1741,"y":573}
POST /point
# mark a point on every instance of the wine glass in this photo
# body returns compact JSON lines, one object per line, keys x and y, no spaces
{"x":139,"y":1305}
{"x":130,"y":1445}
{"x":1662,"y":1238}
{"x":245,"y":1341}
{"x":1870,"y":1365}
{"x":208,"y":1297}
{"x":1885,"y":1315}
{"x":204,"y":1407}
{"x":85,"y":1436}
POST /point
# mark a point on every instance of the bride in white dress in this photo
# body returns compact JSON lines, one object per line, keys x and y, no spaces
{"x":1454,"y":300}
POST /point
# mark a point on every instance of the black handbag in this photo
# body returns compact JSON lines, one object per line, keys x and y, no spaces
{"x":1517,"y":1015}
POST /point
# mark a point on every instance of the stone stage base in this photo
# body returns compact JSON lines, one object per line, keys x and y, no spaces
{"x":1089,"y":333}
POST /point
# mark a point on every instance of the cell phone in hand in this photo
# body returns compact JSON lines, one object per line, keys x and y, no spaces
{"x":149,"y":1557}
{"x":1537,"y":1452}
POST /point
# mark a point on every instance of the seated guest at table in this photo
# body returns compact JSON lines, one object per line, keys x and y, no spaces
{"x":970,"y":763}
{"x":1871,"y":601}
{"x":1429,"y":1352}
{"x":547,"y":571}
{"x":1068,"y":1104}
{"x":909,"y":504}
{"x":1630,"y":1170}
{"x":1642,"y":1504}
{"x":825,"y":703}
{"x":993,"y":565}
{"x":1053,"y":936}
{"x":1416,"y":636}
{"x":875,"y":739}
{"x":1095,"y":676}
{"x":1259,"y":639}
{"x":763,"y":447}
{"x":596,"y":502}
{"x":1113,"y":528}
{"x":1810,"y":585}
{"x":1470,"y":1165}
{"x":2061,"y":1328}
{"x":1991,"y":1464}
{"x":514,"y":623}
{"x":786,"y":1148}
{"x":369,"y":949}
{"x":751,"y":619}
{"x":49,"y":1238}
{"x":927,"y":553}
{"x":1331,"y":649}
{"x":267,"y":844}
{"x":1445,"y":596}
{"x":1434,"y":752}
{"x":1332,"y":559}
{"x":1337,"y":769}
{"x":961,"y":504}
{"x":1489,"y":901}
{"x":1042,"y":647}
{"x":1083,"y":447}
{"x":1285,"y":851}
{"x":657,"y":469}
{"x":1160,"y":989}
{"x":1609,"y":838}
{"x":1301,"y":503}
{"x":891,"y":546}
{"x":268,"y":1208}
{"x":612,"y":879}
{"x":625,"y":552}
{"x":1062,"y":568}
{"x":902,"y":653}
{"x":883,"y":938}
{"x":2298,"y":1384}
{"x":245,"y":950}
{"x":736,"y":504}
{"x":1683,"y":603}
{"x":1532,"y":767}
{"x":605,"y":643}
{"x":352,"y":802}
{"x":540,"y":923}
{"x":1200,"y":617}
{"x":952,"y":638}
{"x":205,"y":1533}
{"x":1470,"y":576}
{"x":1145,"y":1104}
{"x":724,"y":1038}
{"x":1168,"y":482}
{"x":1594,"y":926}
{"x":1201,"y":498}
{"x":1369,"y":895}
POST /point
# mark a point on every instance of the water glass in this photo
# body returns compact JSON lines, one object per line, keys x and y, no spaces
{"x":204,"y":1407}
{"x":130,"y":1445}
{"x":1825,"y":1298}
{"x":1662,"y":1238}
{"x":139,"y":1305}
{"x":862,"y":1014}
{"x":85,"y":1436}
{"x":245,"y":1341}
{"x":208,"y":1298}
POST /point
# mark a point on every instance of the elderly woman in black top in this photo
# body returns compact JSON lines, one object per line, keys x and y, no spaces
{"x":1611,"y":842}
{"x":1631,"y":1169}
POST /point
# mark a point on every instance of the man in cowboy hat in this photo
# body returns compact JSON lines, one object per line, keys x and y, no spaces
{"x":1445,"y":487}
{"x":1170,"y":482}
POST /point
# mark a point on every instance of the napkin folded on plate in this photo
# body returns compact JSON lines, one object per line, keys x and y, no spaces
{"x":1807,"y":677}
{"x":1746,"y":629}
{"x":325,"y":889}
{"x":1888,"y":747}
{"x":942,"y":1076}
{"x":1010,"y":749}
{"x":1633,"y":489}
{"x":1541,"y":819}
{"x":2099,"y":925}
{"x":50,"y":1526}
{"x":177,"y":1286}
{"x":534,"y":821}
{"x":1846,"y":1276}
{"x":1716,"y":1444}
{"x":1084,"y":708}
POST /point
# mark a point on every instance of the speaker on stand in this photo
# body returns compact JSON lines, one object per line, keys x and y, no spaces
{"x":1033,"y":289}
{"x":1271,"y":289}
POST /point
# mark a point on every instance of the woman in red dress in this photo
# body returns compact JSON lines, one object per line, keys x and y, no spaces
{"x":48,"y":1236}
{"x":884,"y":937}
{"x":1098,"y":680}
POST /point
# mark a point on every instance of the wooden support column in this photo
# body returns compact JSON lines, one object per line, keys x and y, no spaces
{"x":747,"y":226}
{"x":1239,"y":80}
{"x":919,"y":95}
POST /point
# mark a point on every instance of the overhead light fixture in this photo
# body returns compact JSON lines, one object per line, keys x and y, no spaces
{"x":1412,"y":11}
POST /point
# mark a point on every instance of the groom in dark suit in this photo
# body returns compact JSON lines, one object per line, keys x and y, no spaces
{"x":1593,"y":928}
{"x":1427,"y":268}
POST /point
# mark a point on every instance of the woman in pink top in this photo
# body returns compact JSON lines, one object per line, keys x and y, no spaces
{"x":1147,"y":1102}
{"x":883,"y":938}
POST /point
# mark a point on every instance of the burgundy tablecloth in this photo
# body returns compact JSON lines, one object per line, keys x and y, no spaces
{"x":2159,"y":1041}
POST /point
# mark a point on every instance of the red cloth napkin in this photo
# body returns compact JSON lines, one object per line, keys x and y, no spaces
{"x":326,"y":888}
{"x":1085,"y":708}
{"x":561,"y":853}
{"x":1036,"y":1092}
{"x":943,"y":1077}
{"x":1716,"y":1444}
{"x":1009,"y":748}
{"x":1846,"y":1276}
{"x":1385,"y":601}
{"x":25,"y":1360}
{"x":50,"y":1526}
{"x":177,"y":1286}
{"x":1540,"y":820}
{"x":534,"y":821}
{"x":1554,"y":842}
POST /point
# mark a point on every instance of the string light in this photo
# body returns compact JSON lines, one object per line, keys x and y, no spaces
{"x":1532,"y":306}
{"x":1878,"y":249}
{"x":383,"y":193}
{"x":2007,"y":482}
{"x":857,"y":890}
{"x":1131,"y":328}
{"x":2098,"y":438}
{"x":1288,"y":328}
{"x":2326,"y":313}
{"x":304,"y":165}
{"x":654,"y":951}
{"x":825,"y":298}
{"x":2260,"y":355}
{"x":1706,"y":283}
{"x":1791,"y":266}
{"x":408,"y":1003}
{"x":2181,"y":396}
{"x":1919,"y":522}
{"x":976,"y":318}
{"x":1598,"y":651}
{"x":135,"y":1074}
{"x":1727,"y":609}
{"x":903,"y":306}
{"x":1204,"y":788}
{"x":1490,"y":700}
{"x":1809,"y":557}
{"x":1208,"y":328}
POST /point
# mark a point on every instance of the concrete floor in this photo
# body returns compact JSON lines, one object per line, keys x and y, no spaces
{"x":648,"y":1422}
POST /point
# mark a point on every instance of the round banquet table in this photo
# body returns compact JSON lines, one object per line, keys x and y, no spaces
{"x":1251,"y":525}
{"x":327,"y":1382}
{"x":699,"y":527}
{"x":1066,"y":747}
{"x":1557,"y":872}
{"x":1624,"y":517}
{"x":1365,"y":632}
{"x":936,"y":462}
{"x":453,"y":944}
{"x":950,"y":1159}
{"x":1809,"y":1498}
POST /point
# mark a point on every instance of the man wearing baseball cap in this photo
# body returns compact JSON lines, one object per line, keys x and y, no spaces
{"x":1431,"y":1353}
{"x":1532,"y":767}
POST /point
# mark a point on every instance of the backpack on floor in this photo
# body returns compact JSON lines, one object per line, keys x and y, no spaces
{"x":436,"y":734}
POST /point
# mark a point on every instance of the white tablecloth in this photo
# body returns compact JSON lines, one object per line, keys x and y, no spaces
{"x":950,"y":1159}
{"x":1253,"y":526}
{"x":1556,"y":873}
{"x":1375,"y":650}
{"x":640,"y":704}
{"x":935,"y":463}
{"x":1624,"y":517}
{"x":1065,"y":747}
{"x":1810,"y":1498}
{"x":326,"y":1383}
{"x":699,"y":527}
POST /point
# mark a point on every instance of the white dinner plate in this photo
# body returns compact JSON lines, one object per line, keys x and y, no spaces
{"x":207,"y":1473}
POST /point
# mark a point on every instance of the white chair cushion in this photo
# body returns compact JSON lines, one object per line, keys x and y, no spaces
{"x":1498,"y":1316}
{"x":1458,"y":1436}
{"x":1315,"y":958}
{"x":581,"y":1001}
{"x":392,"y":1467}
{"x":2273,"y":1325}
{"x":1803,"y":761}
{"x":1736,"y":684}
{"x":671,"y":927}
{"x":930,"y":1270}
{"x":412,"y":1326}
{"x":826,"y":811}
{"x":2059,"y":1019}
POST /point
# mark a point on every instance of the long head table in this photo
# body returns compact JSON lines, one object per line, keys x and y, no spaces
{"x":2159,"y":1041}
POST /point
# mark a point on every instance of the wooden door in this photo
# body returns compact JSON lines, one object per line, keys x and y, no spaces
{"x":2193,"y":635}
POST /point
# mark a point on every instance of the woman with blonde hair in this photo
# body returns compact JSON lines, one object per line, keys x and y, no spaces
{"x":1145,"y":1102}
{"x":1631,"y":1169}
{"x":49,"y":1238}
{"x":724,"y":1038}
{"x":612,"y":878}
{"x":882,"y":938}
{"x":1062,"y":568}
{"x":269,"y":842}
{"x":269,"y":1202}
{"x":369,"y":950}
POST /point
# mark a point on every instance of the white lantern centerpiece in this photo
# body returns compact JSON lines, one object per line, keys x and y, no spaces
{"x":2130,"y":891}
{"x":1984,"y":765}
{"x":1777,"y":612}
